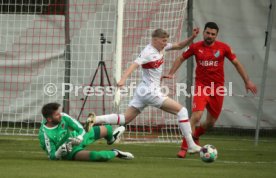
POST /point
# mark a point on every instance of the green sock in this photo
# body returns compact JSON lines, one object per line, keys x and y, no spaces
{"x":101,"y":155}
{"x":109,"y":136}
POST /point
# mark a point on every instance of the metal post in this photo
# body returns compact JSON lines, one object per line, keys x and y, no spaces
{"x":118,"y":57}
{"x":102,"y":76}
{"x":261,"y":100}
{"x":67,"y":59}
{"x":190,"y":63}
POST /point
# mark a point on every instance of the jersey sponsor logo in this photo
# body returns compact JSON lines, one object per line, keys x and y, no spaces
{"x":153,"y":64}
{"x":208,"y":63}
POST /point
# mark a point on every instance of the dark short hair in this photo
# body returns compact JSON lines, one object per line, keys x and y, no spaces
{"x":211,"y":25}
{"x":48,"y":109}
{"x":160,"y":33}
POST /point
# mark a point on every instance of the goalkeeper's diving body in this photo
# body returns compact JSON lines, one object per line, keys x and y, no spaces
{"x":151,"y":60}
{"x":63,"y":137}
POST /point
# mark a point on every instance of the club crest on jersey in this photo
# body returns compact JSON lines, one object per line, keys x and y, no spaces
{"x":217,"y":54}
{"x":62,"y":125}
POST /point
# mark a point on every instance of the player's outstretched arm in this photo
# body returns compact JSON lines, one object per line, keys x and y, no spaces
{"x":186,"y":42}
{"x":76,"y":126}
{"x":177,"y":63}
{"x":249,"y":85}
{"x":130,"y":69}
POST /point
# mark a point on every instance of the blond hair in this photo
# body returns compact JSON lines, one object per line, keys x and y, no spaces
{"x":160,"y":33}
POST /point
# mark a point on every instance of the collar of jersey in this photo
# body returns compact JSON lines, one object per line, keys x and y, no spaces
{"x":50,"y":127}
{"x":154,"y":48}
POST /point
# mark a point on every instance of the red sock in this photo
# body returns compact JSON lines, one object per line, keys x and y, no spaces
{"x":199,"y":131}
{"x":184,"y":145}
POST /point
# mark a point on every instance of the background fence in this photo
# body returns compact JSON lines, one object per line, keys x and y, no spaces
{"x":47,"y":43}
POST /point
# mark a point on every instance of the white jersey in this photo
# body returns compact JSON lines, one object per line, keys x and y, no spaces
{"x":151,"y":61}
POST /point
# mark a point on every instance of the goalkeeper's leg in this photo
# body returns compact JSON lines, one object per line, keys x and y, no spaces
{"x":107,"y":132}
{"x":85,"y":155}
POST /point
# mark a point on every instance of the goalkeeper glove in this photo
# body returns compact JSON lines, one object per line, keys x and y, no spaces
{"x":75,"y":140}
{"x":63,"y":150}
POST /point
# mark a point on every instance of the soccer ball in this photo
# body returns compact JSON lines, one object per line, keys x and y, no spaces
{"x":208,"y":153}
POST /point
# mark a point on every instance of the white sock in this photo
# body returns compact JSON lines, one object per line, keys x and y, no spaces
{"x":185,"y":126}
{"x":113,"y":119}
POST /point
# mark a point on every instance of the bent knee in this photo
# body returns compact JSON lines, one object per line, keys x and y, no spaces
{"x":183,"y":113}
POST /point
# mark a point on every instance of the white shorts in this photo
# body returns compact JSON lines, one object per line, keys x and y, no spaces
{"x":147,"y":96}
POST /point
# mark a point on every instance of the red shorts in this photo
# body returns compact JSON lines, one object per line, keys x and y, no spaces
{"x":213,"y":103}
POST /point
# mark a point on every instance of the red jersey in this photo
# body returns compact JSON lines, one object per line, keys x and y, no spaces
{"x":210,"y":61}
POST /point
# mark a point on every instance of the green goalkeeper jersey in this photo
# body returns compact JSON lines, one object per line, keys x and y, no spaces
{"x":52,"y":138}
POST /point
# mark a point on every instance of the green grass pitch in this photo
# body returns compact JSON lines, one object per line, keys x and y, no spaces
{"x":21,"y":157}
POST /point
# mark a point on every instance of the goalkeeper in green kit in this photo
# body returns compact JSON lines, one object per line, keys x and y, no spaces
{"x":63,"y":137}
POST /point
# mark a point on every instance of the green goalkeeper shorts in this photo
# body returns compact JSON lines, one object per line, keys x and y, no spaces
{"x":88,"y":138}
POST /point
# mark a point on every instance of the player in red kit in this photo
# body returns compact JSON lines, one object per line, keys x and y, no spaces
{"x":209,"y":55}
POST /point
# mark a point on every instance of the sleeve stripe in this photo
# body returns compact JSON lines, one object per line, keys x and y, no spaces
{"x":77,"y":123}
{"x":47,"y":142}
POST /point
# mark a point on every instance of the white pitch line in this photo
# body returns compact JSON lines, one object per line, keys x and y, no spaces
{"x":172,"y":146}
{"x":129,"y":141}
{"x":34,"y":152}
{"x":179,"y":159}
{"x":217,"y":161}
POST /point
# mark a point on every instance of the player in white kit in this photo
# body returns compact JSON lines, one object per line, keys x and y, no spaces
{"x":148,"y":92}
